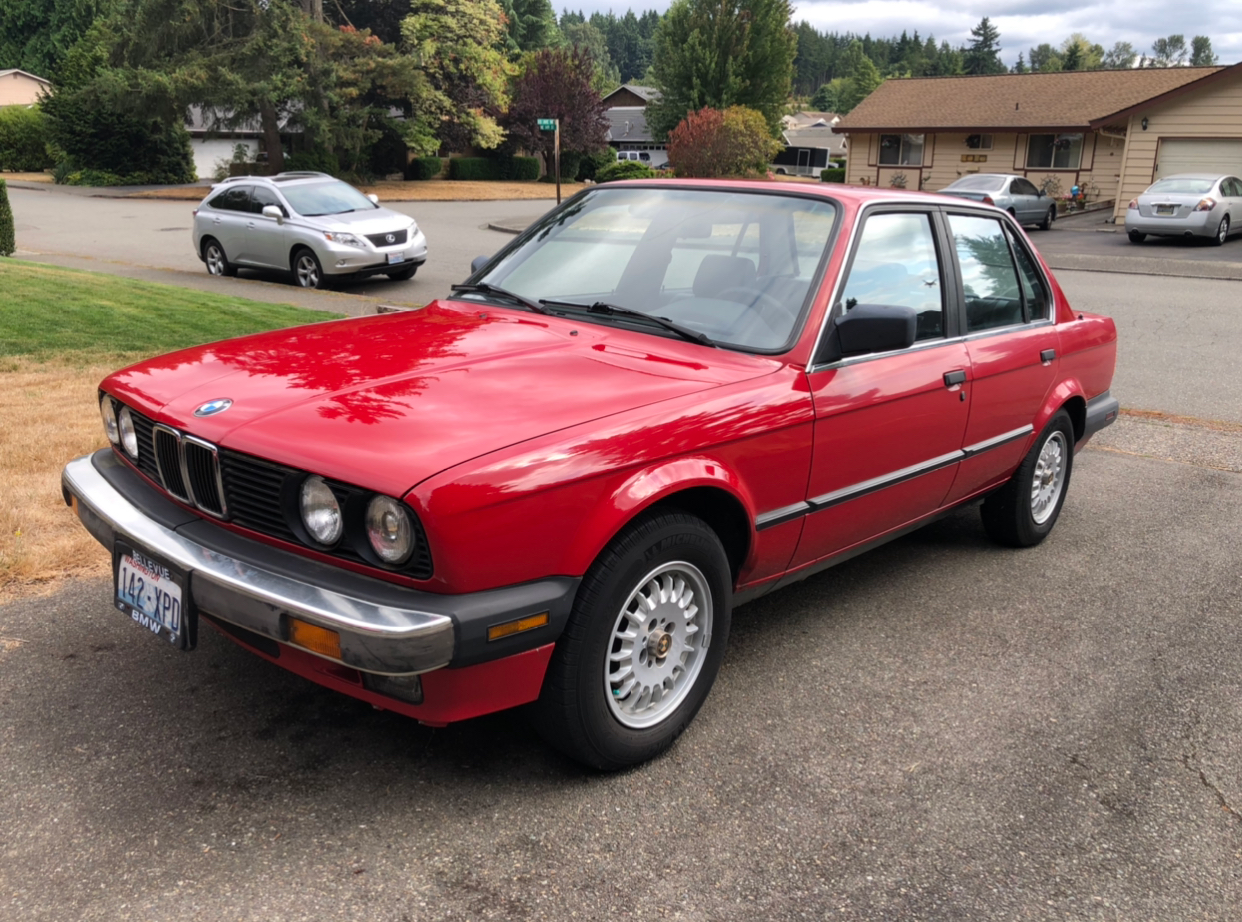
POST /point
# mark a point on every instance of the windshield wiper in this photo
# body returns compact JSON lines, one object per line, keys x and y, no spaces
{"x":495,"y":290}
{"x":612,"y":310}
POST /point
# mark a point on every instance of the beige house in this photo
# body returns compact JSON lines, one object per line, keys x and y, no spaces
{"x":18,"y":88}
{"x":1063,"y":129}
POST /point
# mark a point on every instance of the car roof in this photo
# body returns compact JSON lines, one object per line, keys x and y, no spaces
{"x":1194,"y":176}
{"x":855,"y":195}
{"x":998,"y":175}
{"x":282,"y":179}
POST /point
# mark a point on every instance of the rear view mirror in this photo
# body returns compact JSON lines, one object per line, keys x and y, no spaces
{"x":868,"y":328}
{"x":478,"y":263}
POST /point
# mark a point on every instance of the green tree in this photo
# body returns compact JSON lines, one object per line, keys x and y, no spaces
{"x":1120,"y":56}
{"x":983,"y":55}
{"x":711,"y":143}
{"x":1019,"y":66}
{"x":1085,"y":54}
{"x":1072,"y":58}
{"x":530,"y":25}
{"x":722,"y":53}
{"x":456,"y":43}
{"x":556,"y":83}
{"x":584,"y":35}
{"x":1168,"y":52}
{"x":863,"y":78}
{"x":828,"y":97}
{"x":1201,"y":54}
{"x":35,"y":35}
{"x":1045,"y":59}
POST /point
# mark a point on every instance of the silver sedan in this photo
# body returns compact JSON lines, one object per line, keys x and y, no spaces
{"x":1187,"y":205}
{"x":1014,"y":194}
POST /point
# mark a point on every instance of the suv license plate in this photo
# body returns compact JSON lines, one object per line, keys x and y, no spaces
{"x":154,"y":595}
{"x":394,"y":258}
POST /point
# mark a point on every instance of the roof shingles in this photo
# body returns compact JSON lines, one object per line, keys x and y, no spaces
{"x":1012,"y":102}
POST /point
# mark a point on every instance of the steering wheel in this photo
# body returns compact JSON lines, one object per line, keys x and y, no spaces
{"x":764,"y":303}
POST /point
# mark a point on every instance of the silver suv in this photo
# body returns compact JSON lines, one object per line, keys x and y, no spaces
{"x":310,"y":224}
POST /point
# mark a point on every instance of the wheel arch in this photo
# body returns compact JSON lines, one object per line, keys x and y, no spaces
{"x":1067,"y":396}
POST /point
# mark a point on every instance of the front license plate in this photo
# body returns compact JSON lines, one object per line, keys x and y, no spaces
{"x":153,"y":595}
{"x":394,"y":258}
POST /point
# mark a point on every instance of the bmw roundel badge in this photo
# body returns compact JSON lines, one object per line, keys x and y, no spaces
{"x":212,"y":407}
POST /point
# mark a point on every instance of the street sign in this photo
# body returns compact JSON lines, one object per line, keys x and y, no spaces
{"x":547,"y":124}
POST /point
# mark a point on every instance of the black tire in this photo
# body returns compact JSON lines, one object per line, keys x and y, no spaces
{"x":582,"y":706}
{"x":1222,"y":232}
{"x":307,"y":272}
{"x":1136,"y":237}
{"x":217,"y":262}
{"x":1012,"y":515}
{"x":1046,"y":223}
{"x":403,"y":275}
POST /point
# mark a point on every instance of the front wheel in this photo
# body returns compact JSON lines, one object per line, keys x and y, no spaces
{"x":1222,"y":232}
{"x":1136,"y":237}
{"x":1023,"y":511}
{"x":1046,"y":223}
{"x":306,"y":269}
{"x":643,"y":644}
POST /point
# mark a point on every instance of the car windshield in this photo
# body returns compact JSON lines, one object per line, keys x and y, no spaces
{"x":1184,"y":186}
{"x":736,"y":267}
{"x":980,"y":183}
{"x":321,"y":198}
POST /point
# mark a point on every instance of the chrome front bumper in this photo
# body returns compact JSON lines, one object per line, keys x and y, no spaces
{"x":377,"y":634}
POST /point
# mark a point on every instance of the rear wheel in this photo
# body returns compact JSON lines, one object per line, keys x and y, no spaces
{"x":1046,"y":223}
{"x":643,"y":644}
{"x":306,"y":269}
{"x":217,"y":262}
{"x":1136,"y":237}
{"x":1023,"y":511}
{"x":1222,"y":232}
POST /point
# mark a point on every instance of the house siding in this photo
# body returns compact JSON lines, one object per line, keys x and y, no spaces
{"x":942,"y":162}
{"x":1213,"y":112}
{"x":19,"y":90}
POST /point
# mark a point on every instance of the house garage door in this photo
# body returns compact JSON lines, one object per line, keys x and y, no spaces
{"x":1199,"y":155}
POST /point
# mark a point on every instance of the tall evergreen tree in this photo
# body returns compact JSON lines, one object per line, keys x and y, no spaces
{"x":722,"y":53}
{"x":983,"y":55}
{"x":1201,"y":54}
{"x":1019,"y":66}
{"x":863,"y":78}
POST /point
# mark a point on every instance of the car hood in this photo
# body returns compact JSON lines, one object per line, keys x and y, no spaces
{"x":386,"y":401}
{"x":372,"y":221}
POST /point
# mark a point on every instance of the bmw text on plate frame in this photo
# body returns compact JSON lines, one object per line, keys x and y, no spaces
{"x":212,"y":407}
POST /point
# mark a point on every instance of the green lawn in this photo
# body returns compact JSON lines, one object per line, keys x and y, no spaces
{"x":46,"y":311}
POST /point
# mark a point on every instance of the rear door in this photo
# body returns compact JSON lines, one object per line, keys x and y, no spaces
{"x":1026,"y":198}
{"x":1006,"y":308}
{"x":230,"y":212}
{"x":888,"y":426}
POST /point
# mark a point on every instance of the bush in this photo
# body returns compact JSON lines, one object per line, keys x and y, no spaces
{"x":571,"y":162}
{"x":315,"y":160}
{"x":388,"y":154}
{"x":424,"y":168}
{"x":593,"y":163}
{"x":624,"y":169}
{"x":474,"y":168}
{"x":520,"y":169}
{"x":714,"y":143}
{"x":23,"y":140}
{"x":8,"y":239}
{"x":832,"y":174}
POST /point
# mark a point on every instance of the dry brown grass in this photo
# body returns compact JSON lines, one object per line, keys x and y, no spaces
{"x":47,"y":418}
{"x":435,"y":190}
{"x":28,"y":177}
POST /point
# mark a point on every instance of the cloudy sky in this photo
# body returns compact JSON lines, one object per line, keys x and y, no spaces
{"x":1022,"y":23}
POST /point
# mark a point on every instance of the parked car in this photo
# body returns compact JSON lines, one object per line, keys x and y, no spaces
{"x":310,"y":224}
{"x":662,"y":400}
{"x":654,"y":159}
{"x":1187,"y":205}
{"x":1014,"y":194}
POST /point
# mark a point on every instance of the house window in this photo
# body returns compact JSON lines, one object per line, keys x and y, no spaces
{"x":901,"y":150}
{"x":1054,"y":152}
{"x":979,"y":141}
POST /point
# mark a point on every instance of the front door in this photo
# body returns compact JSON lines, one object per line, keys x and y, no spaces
{"x":266,"y":238}
{"x":888,"y":427}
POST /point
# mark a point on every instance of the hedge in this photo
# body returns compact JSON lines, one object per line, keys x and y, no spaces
{"x":8,"y":241}
{"x":832,"y":175}
{"x":624,"y":169}
{"x":422,"y":169}
{"x":517,"y":169}
{"x":23,"y":140}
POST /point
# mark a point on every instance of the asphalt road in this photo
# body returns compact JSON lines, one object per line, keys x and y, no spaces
{"x":940,"y":730}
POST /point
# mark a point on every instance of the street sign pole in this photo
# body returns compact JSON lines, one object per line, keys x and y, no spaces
{"x":554,"y":125}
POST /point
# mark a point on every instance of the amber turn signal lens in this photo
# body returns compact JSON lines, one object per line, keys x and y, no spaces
{"x":315,"y":638}
{"x":529,"y":623}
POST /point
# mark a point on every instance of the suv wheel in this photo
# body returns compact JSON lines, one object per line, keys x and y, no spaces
{"x":306,"y":269}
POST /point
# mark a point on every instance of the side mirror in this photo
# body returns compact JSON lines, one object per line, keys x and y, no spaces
{"x":374,"y":198}
{"x":868,"y":328}
{"x":1040,"y":193}
{"x":273,"y":211}
{"x":478,"y":263}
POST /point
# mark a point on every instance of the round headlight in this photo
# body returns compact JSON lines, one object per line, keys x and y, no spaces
{"x":321,"y":513}
{"x":108,"y":412}
{"x":390,"y":530}
{"x":129,"y":438}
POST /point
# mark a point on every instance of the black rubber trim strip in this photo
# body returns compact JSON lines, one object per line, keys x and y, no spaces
{"x":997,"y":441}
{"x":1102,"y":411}
{"x":781,"y":516}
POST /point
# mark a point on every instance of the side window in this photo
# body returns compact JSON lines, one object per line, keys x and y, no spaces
{"x":989,"y":280}
{"x":261,"y":196}
{"x":236,"y":198}
{"x":1036,"y":296}
{"x":896,"y":265}
{"x":1231,"y":187}
{"x":1024,"y":187}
